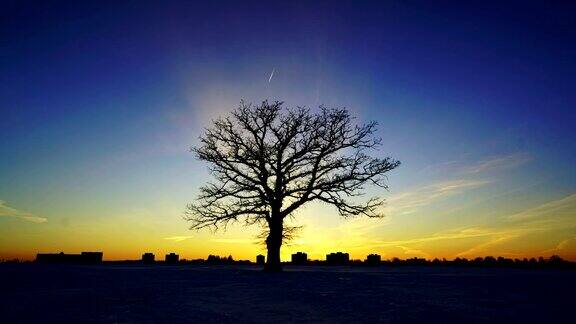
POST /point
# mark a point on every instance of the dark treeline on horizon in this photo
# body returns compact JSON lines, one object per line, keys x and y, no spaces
{"x":553,"y":261}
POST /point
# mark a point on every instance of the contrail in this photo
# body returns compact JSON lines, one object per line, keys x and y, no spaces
{"x":271,"y":75}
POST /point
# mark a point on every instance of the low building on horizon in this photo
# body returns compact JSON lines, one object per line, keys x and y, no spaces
{"x":171,"y":258}
{"x":84,"y":257}
{"x":299,"y":258}
{"x":148,"y":257}
{"x":260,"y":259}
{"x":337,"y":258}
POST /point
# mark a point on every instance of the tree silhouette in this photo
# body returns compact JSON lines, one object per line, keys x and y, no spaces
{"x":268,"y":161}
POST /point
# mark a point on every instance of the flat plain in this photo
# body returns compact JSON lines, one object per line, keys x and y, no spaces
{"x":193,"y":293}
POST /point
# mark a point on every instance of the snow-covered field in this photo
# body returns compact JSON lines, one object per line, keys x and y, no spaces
{"x":192,"y":293}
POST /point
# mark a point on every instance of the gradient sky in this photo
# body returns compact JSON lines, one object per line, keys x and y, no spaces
{"x":100,"y":102}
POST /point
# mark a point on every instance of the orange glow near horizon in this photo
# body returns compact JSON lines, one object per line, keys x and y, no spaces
{"x":530,"y":233}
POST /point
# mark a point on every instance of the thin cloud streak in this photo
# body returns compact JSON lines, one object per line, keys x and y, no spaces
{"x":547,"y":208}
{"x":447,"y":235}
{"x":566,"y":246}
{"x":413,"y":201}
{"x":501,"y":162}
{"x":545,"y":217}
{"x":486,"y":165}
{"x":499,"y":238}
{"x":8,"y":211}
{"x":409,"y":202}
{"x":179,"y":238}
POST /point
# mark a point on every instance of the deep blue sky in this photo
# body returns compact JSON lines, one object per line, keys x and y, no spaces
{"x":100,"y":100}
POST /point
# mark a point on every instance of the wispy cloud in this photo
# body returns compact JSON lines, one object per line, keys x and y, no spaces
{"x":496,"y":239}
{"x":465,"y":176}
{"x":546,"y":217}
{"x":8,"y":211}
{"x":490,"y":239}
{"x":179,"y":238}
{"x":564,"y":247}
{"x":550,"y":216}
{"x":413,"y":251}
{"x":562,"y":205}
{"x":567,"y":244}
{"x":466,"y":166}
{"x":497,"y":163}
{"x":410,"y":201}
{"x":463,"y":233}
{"x":502,"y":237}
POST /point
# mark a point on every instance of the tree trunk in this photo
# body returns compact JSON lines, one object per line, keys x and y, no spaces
{"x":273,"y":244}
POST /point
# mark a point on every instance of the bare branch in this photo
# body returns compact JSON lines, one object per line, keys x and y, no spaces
{"x":268,"y":161}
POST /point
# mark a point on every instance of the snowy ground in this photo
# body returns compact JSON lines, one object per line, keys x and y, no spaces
{"x":138,"y":293}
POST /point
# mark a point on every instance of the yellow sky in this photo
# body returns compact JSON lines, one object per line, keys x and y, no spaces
{"x":429,"y":221}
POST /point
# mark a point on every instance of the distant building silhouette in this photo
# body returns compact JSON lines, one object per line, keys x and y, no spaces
{"x":91,"y":257}
{"x":148,"y":257}
{"x":171,"y":258}
{"x":338,"y":258}
{"x":299,"y":258}
{"x":84,"y":257}
{"x":373,"y":259}
{"x":260,"y":259}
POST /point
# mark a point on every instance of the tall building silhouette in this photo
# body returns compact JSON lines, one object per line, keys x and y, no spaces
{"x":260,"y":259}
{"x":148,"y":257}
{"x":373,"y":259}
{"x":299,"y":258}
{"x":171,"y":258}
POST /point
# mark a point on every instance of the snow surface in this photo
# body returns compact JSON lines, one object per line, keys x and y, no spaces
{"x":192,"y":293}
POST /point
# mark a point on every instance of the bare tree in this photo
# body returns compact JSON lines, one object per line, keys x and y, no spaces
{"x":269,"y":161}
